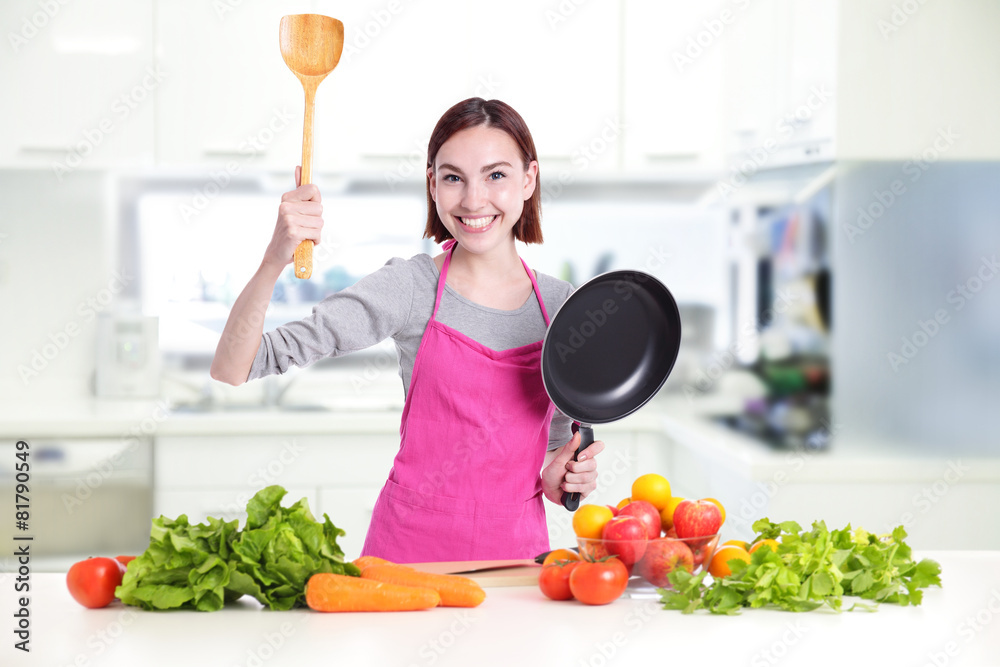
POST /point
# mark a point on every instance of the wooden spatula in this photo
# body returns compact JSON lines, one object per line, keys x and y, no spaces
{"x":311,"y":45}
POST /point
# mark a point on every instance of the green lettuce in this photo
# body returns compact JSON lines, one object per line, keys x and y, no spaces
{"x":280,"y":548}
{"x":204,"y":566}
{"x":184,"y":567}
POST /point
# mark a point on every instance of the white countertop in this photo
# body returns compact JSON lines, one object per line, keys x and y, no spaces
{"x":957,"y":624}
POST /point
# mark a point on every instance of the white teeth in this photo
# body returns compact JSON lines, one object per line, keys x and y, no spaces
{"x":478,"y":223}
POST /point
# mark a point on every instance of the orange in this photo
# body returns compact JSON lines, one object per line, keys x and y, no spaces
{"x":736,"y":543}
{"x":589,"y":520}
{"x":772,"y":544}
{"x":560,"y":554}
{"x":722,"y":510}
{"x":667,"y":513}
{"x":719,"y":567}
{"x":623,"y":502}
{"x":652,"y":488}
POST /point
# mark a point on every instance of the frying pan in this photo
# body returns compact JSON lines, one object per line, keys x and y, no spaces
{"x":608,"y":350}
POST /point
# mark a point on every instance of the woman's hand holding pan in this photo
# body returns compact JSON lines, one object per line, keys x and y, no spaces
{"x":566,"y":475}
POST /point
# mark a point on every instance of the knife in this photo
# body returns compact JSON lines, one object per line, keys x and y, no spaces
{"x":491,"y":568}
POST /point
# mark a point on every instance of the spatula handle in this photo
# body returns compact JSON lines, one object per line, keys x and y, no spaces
{"x":571,"y":501}
{"x":304,"y":252}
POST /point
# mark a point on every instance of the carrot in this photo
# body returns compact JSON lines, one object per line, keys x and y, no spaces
{"x":455,"y":591}
{"x":367,"y":561}
{"x":339,"y":592}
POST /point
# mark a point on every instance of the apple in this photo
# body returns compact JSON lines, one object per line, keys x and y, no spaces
{"x":646,"y":512}
{"x":593,"y":550}
{"x":671,"y":532}
{"x":662,"y":557}
{"x":702,"y":549}
{"x":614,"y":510}
{"x":697,"y":518}
{"x":625,"y":537}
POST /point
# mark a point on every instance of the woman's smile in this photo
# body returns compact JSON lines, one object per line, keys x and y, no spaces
{"x":478,"y":224}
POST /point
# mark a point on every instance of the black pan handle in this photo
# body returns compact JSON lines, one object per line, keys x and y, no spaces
{"x":572,"y":500}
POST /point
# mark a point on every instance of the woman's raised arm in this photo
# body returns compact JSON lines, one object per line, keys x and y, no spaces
{"x":300,"y":216}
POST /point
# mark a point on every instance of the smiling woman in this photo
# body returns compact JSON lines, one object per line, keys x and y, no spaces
{"x":500,"y":131}
{"x":481,"y":443}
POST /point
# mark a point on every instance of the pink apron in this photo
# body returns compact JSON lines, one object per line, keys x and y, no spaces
{"x":466,"y":482}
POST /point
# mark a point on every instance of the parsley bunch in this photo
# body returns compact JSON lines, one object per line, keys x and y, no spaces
{"x":810,"y":569}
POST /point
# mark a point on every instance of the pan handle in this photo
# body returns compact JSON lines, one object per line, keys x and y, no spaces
{"x":571,"y":501}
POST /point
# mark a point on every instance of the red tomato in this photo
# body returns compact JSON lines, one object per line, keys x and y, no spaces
{"x":554,"y":579}
{"x":124,"y":560}
{"x":92,"y":582}
{"x":598,"y":582}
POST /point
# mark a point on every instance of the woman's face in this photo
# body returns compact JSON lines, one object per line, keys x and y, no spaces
{"x":479,"y":185}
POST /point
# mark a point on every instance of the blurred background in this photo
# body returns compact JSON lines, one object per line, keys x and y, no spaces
{"x":816,"y":182}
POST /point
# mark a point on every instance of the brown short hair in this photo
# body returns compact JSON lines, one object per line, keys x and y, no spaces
{"x":474,"y":112}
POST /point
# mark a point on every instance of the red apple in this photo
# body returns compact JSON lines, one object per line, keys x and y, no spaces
{"x":594,"y":550}
{"x":702,"y":549}
{"x":645,"y":512}
{"x":662,"y":557}
{"x":697,"y":518}
{"x":614,"y":510}
{"x":625,"y":537}
{"x":671,"y":532}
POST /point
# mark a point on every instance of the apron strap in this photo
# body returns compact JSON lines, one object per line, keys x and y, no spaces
{"x":449,"y":247}
{"x":538,"y":292}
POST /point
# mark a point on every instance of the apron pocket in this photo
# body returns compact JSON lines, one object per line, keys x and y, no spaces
{"x":408,"y":527}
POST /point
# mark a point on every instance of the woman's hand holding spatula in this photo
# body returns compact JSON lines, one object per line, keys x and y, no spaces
{"x":300,"y":220}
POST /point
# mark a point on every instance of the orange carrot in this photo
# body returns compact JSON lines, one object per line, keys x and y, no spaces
{"x":367,"y":561}
{"x":455,"y":591}
{"x":338,"y":592}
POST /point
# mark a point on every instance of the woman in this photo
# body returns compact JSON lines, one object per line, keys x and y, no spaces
{"x":479,"y":444}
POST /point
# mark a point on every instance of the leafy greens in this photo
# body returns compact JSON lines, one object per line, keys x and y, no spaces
{"x":204,"y":566}
{"x":810,"y":569}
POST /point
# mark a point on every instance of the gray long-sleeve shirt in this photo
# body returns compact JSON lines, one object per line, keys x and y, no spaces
{"x":396,"y":302}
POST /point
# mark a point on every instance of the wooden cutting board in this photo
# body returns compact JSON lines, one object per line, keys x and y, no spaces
{"x":514,"y":572}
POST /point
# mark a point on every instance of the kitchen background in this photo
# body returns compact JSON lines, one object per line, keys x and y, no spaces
{"x":817,"y":183}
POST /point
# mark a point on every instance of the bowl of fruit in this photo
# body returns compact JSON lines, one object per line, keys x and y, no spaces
{"x":649,"y":562}
{"x":651,"y":532}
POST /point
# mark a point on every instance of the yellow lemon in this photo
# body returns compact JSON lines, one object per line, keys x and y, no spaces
{"x":589,"y":520}
{"x":722,"y":510}
{"x":667,"y":513}
{"x":652,"y":488}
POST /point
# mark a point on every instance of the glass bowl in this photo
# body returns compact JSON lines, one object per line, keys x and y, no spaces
{"x":650,"y":561}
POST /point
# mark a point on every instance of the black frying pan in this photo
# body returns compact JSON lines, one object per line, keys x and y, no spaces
{"x":608,"y":350}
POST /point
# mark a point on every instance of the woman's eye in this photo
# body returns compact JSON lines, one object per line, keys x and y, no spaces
{"x":451,"y":178}
{"x":497,"y":175}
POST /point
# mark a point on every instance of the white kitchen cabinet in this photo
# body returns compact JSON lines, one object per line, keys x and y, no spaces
{"x":673,"y":85}
{"x":216,"y":475}
{"x":79,"y":81}
{"x":405,"y":64}
{"x":918,"y":81}
{"x":227,"y":504}
{"x":234,"y":102}
{"x":781,"y":64}
{"x":230,"y":98}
